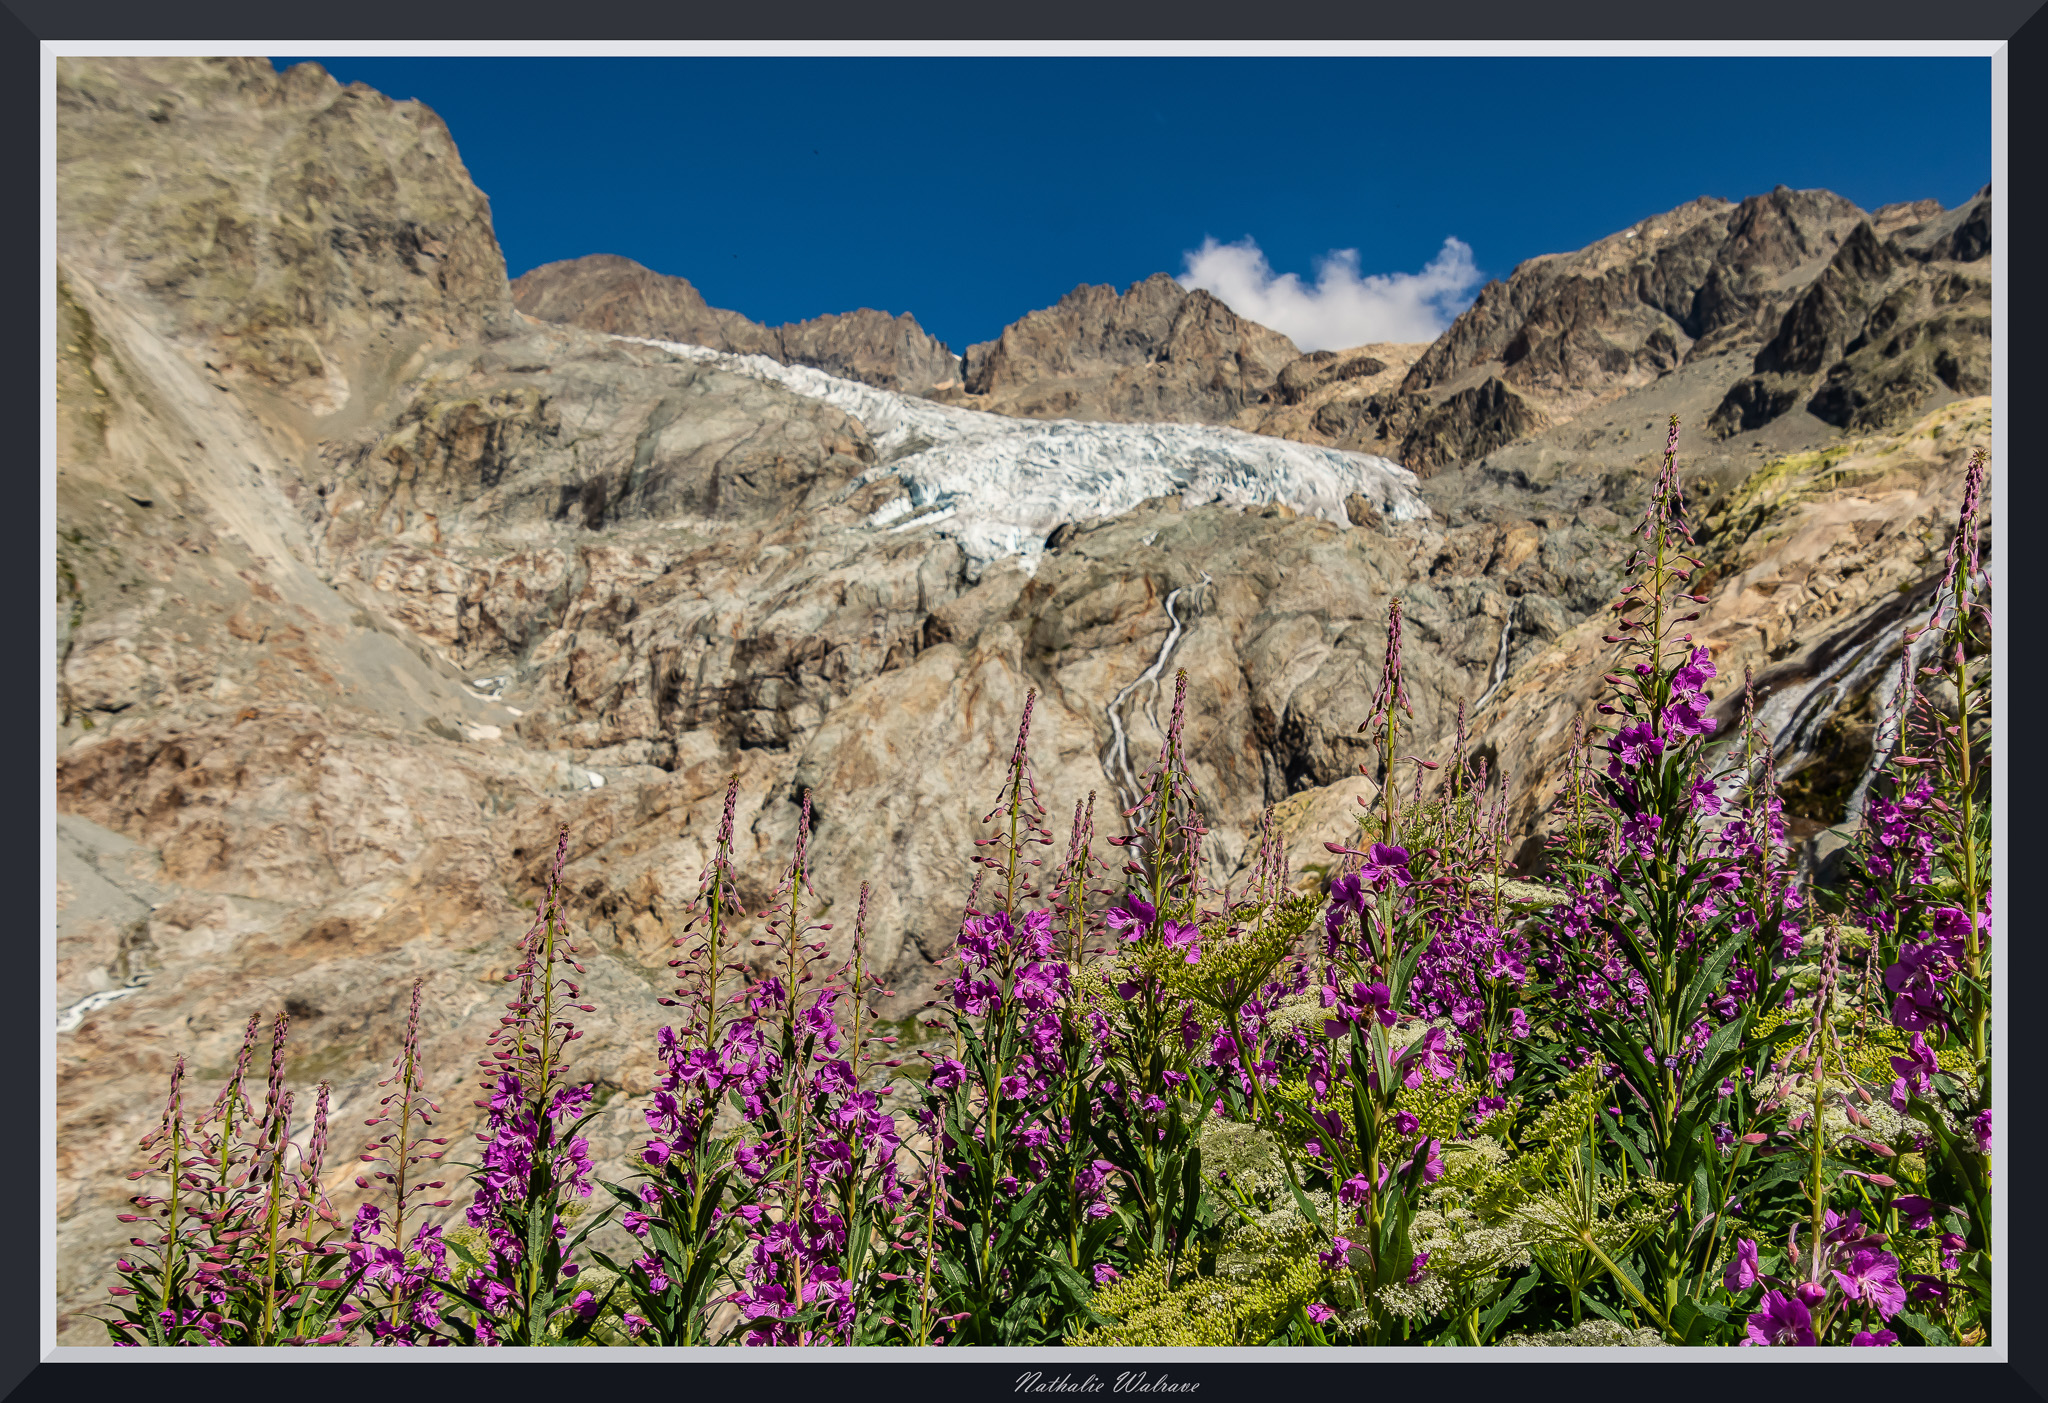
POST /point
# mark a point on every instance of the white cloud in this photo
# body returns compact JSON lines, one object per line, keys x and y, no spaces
{"x":1340,"y":308}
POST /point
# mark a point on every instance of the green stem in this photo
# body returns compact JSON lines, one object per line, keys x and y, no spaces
{"x":1586,"y":1238}
{"x":270,"y":1233}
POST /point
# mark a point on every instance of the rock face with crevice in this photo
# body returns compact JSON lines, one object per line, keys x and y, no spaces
{"x":367,"y":582}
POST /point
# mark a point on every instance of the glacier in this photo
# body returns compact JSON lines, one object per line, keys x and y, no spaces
{"x":998,"y":486}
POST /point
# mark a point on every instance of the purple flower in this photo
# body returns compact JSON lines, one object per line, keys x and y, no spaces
{"x":1694,"y":673}
{"x":1178,"y":935}
{"x":1639,"y":831}
{"x":1914,"y":1211}
{"x":1927,"y":1288}
{"x":1915,"y":1069}
{"x":1873,"y":1277}
{"x":1518,"y":1024}
{"x":1687,"y":716}
{"x":568,"y":1101}
{"x":1877,"y":1337}
{"x":1742,"y":1271}
{"x":1500,"y":1068}
{"x":1104,"y":1273}
{"x":1432,"y":1161}
{"x":977,"y":998}
{"x":1913,"y":1011}
{"x":1405,"y":1124}
{"x":1427,"y":1054}
{"x":1347,"y":893}
{"x":1947,"y":923}
{"x":1386,"y":865}
{"x":1981,"y":1129}
{"x":1702,"y":798}
{"x":1040,"y":987}
{"x":1092,"y":1185}
{"x":1376,"y":999}
{"x":1132,"y":918}
{"x":1633,"y":745}
{"x":366,"y":1224}
{"x":1320,"y":1313}
{"x":1505,"y":966}
{"x":1415,"y":1267}
{"x":1781,"y":1321}
{"x":1790,"y":942}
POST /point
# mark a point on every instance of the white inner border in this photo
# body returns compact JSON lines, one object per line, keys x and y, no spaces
{"x":1067,"y":1361}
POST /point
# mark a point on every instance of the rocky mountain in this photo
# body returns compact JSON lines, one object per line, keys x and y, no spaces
{"x":366,"y":582}
{"x":1790,"y":299}
{"x":606,"y":293}
{"x":1885,"y":327}
{"x":1154,"y":351}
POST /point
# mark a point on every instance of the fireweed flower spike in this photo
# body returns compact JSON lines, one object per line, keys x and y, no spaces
{"x":697,"y":1188}
{"x":1011,"y":1218}
{"x":155,"y":1279}
{"x":400,"y":1149}
{"x":1933,"y":826}
{"x":532,"y":1166}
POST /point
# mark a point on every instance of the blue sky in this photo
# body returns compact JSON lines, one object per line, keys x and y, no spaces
{"x":968,"y":191}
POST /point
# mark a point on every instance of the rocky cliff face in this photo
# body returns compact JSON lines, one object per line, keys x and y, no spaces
{"x":1154,"y":351}
{"x":1777,"y":296}
{"x":366,"y":582}
{"x":604,"y":292}
{"x":310,"y":237}
{"x":1888,"y":325}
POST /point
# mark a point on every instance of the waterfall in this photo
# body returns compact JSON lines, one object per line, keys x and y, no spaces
{"x":1117,"y":762}
{"x":1792,"y":712}
{"x":1500,"y":656}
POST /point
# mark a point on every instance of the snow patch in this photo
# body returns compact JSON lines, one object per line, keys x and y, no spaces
{"x":1000,"y":485}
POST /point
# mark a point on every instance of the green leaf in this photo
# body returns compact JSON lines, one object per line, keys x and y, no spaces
{"x":1926,"y":1329}
{"x":1594,"y":1304}
{"x":1075,"y":1287}
{"x":1695,"y":1321}
{"x":1490,"y":1319}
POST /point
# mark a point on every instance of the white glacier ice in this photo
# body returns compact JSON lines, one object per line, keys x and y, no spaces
{"x":999,"y":485}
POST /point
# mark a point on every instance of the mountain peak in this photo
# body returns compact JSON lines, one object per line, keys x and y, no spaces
{"x":1157,"y":350}
{"x":608,"y":293}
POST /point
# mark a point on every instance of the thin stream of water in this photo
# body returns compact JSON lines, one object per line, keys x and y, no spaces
{"x":1500,"y":657}
{"x":1117,"y":763}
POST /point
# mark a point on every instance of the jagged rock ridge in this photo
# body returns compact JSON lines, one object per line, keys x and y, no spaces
{"x":1154,"y":351}
{"x":1724,"y":290}
{"x":604,"y":292}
